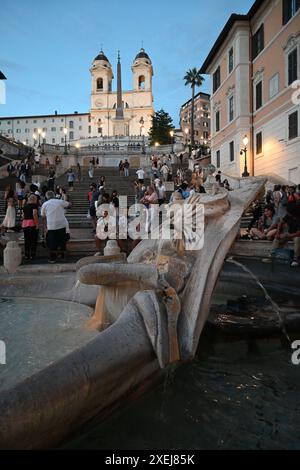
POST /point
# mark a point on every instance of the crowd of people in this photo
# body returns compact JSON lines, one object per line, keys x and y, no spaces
{"x":278,"y":219}
{"x":40,"y":213}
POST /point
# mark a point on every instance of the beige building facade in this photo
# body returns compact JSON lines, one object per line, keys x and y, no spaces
{"x":255,"y":68}
{"x":202,"y":119}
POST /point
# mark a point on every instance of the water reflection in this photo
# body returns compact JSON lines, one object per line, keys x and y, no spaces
{"x":234,"y":395}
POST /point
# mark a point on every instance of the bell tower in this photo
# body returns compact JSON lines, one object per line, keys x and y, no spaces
{"x":102,"y":77}
{"x":142,"y":72}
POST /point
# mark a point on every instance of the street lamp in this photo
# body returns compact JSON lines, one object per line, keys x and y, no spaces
{"x":244,"y":150}
{"x":39,"y":133}
{"x":43,"y":134}
{"x":186,"y":135}
{"x":66,"y":148}
{"x":172,"y":139}
{"x":143,"y":131}
{"x":34,"y":139}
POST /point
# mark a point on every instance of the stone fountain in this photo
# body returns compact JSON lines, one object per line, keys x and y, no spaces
{"x":148,"y":312}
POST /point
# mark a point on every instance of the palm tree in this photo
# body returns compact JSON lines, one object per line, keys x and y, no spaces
{"x":194,"y":79}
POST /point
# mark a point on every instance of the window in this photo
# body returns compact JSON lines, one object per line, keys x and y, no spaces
{"x":8,"y":122}
{"x":44,"y":120}
{"x":231,"y":151}
{"x":62,"y":140}
{"x":18,"y":131}
{"x":61,"y":120}
{"x":259,"y":143}
{"x":289,"y":9}
{"x":293,"y":125}
{"x":205,"y":135}
{"x":206,"y":115}
{"x":71,"y":124}
{"x":218,"y":159}
{"x":53,"y":141}
{"x":274,"y":85}
{"x":53,"y":120}
{"x":90,"y":129}
{"x":217,"y":121}
{"x":34,"y":122}
{"x":80,"y":128}
{"x":216,"y":79}
{"x":53,"y":129}
{"x":231,"y":109}
{"x":258,"y":42}
{"x":230,"y":60}
{"x":142,"y":82}
{"x":258,"y":95}
{"x":205,"y":124}
{"x":292,"y":66}
{"x":71,"y":135}
{"x":100,"y":84}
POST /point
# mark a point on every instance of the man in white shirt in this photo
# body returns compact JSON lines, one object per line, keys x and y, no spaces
{"x":141,"y":175}
{"x":53,"y":213}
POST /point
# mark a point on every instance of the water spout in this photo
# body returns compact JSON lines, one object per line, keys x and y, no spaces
{"x":267,"y":295}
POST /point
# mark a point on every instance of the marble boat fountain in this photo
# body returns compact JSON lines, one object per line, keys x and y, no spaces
{"x":132,"y":319}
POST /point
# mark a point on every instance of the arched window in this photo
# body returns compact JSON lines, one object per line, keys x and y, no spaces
{"x":100,"y":84}
{"x":142,"y":82}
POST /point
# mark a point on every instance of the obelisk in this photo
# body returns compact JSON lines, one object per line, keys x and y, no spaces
{"x":119,"y":112}
{"x":119,"y":121}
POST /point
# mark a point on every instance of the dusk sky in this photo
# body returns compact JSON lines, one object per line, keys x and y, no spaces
{"x":46,"y":48}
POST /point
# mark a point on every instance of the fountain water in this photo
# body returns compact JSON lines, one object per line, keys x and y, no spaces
{"x":267,"y":296}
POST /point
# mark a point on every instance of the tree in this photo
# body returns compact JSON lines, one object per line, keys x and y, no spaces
{"x":162,"y":125}
{"x":193,"y":78}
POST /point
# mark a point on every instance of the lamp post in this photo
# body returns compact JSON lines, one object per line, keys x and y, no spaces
{"x":66,"y":148}
{"x":244,"y":150}
{"x":186,"y":135}
{"x":143,"y":131}
{"x":172,"y":140}
{"x":77,"y":147}
{"x":34,"y":139}
{"x":39,"y":133}
{"x":43,"y":144}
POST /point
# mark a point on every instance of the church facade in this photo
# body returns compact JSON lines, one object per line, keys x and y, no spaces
{"x":134,"y":107}
{"x":113,"y":113}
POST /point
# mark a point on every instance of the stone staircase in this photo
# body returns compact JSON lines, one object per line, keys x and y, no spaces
{"x":77,"y":214}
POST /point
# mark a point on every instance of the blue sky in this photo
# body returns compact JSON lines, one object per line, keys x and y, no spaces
{"x":46,"y":48}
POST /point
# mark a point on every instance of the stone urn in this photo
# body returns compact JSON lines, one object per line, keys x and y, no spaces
{"x":112,"y":248}
{"x":12,"y":257}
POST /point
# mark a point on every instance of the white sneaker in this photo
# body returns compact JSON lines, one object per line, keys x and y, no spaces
{"x":97,"y":254}
{"x":266,"y":260}
{"x":294,"y":264}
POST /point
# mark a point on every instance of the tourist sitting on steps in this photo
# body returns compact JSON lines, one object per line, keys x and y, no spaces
{"x":289,"y":230}
{"x":267,"y":225}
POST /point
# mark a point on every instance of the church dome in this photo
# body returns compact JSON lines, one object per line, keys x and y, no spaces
{"x":143,"y":55}
{"x":101,"y":56}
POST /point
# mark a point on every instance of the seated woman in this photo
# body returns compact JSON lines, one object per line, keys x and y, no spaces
{"x":266,"y":226}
